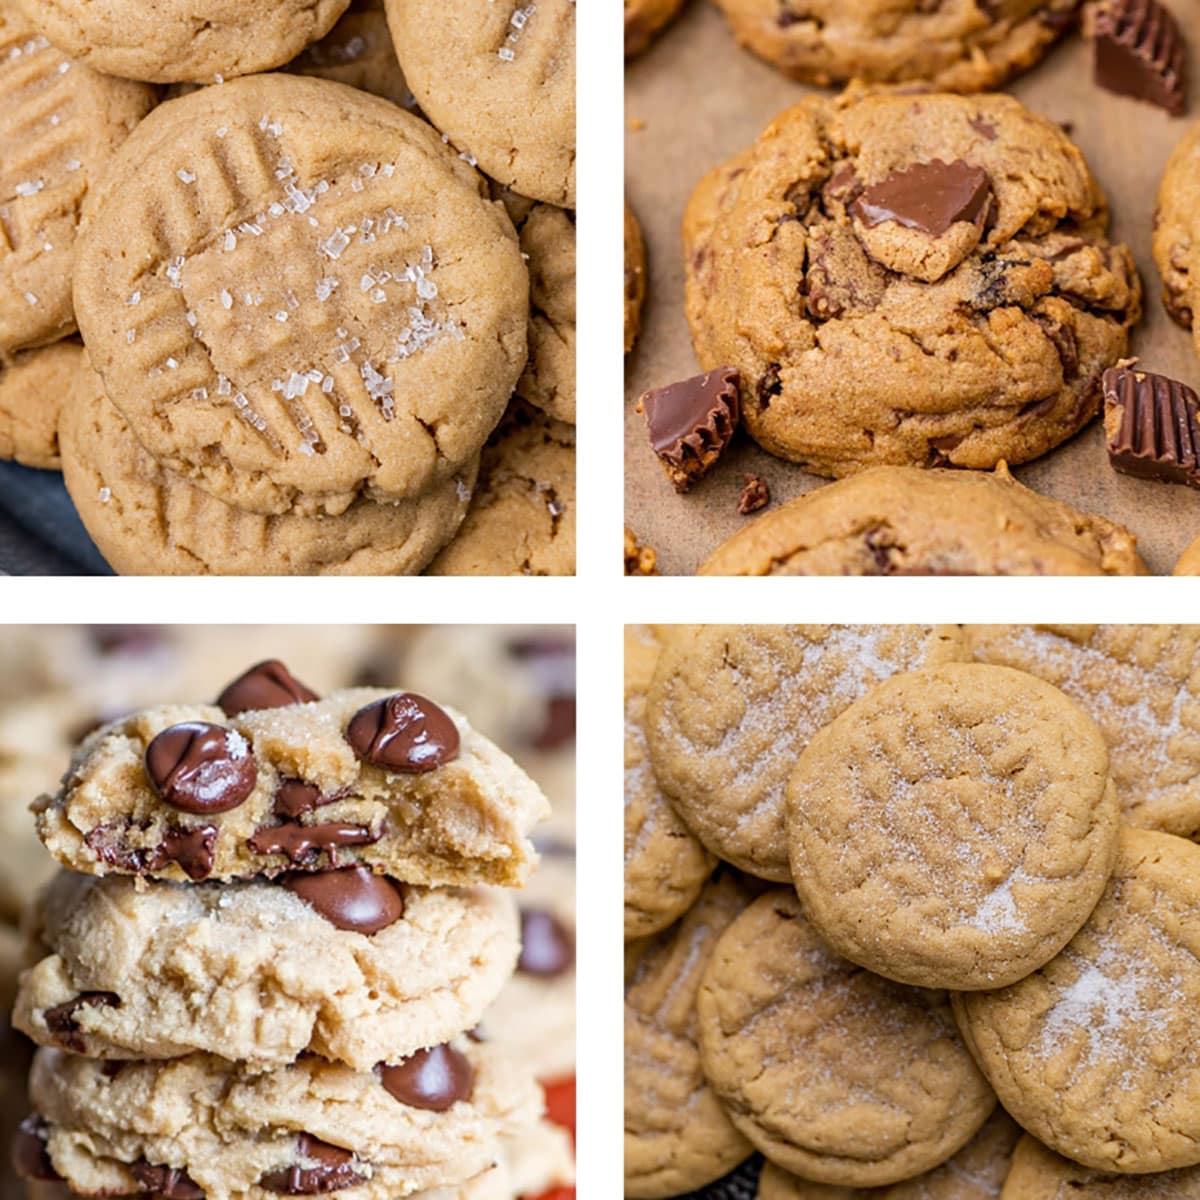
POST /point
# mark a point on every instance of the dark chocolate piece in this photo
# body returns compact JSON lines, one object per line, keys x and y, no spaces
{"x":322,"y":1168}
{"x":1152,"y":426}
{"x":404,"y":732}
{"x":29,"y":1157}
{"x":267,"y":684}
{"x":60,"y":1019}
{"x":691,"y":422}
{"x":928,"y":196}
{"x":755,"y":495}
{"x":351,"y":898}
{"x":171,"y":1183}
{"x":192,"y":849}
{"x":435,"y":1079}
{"x":1140,"y":52}
{"x":201,"y":768}
{"x":304,"y":843}
{"x":547,"y":945}
{"x":294,"y":797}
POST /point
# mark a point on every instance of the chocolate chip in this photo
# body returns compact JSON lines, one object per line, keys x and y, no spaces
{"x":267,"y":684}
{"x":982,"y":126}
{"x":172,"y":1183}
{"x":547,"y":947}
{"x":434,"y":1079}
{"x":928,"y":196}
{"x":201,"y":768}
{"x":61,"y":1022}
{"x":322,"y":1168}
{"x":769,"y":384}
{"x":404,"y":732}
{"x":1152,"y":425}
{"x":1065,"y":343}
{"x":351,"y":898}
{"x":192,"y":849}
{"x":126,"y":639}
{"x":691,"y":422}
{"x":302,"y":843}
{"x":29,"y":1157}
{"x":1139,"y":52}
{"x":755,"y":494}
{"x":294,"y":797}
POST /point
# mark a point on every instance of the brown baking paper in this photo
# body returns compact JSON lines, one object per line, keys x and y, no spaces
{"x":702,"y":99}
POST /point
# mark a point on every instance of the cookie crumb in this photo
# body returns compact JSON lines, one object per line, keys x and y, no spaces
{"x":755,"y":495}
{"x":639,"y":559}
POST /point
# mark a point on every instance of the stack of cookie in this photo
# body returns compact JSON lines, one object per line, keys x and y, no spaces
{"x":941,"y":883}
{"x":281,"y":921}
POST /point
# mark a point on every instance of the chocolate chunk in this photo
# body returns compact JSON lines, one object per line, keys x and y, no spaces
{"x":1152,"y":426}
{"x":201,"y":768}
{"x":267,"y":684}
{"x":61,"y":1022}
{"x":547,"y":946}
{"x":1064,"y":341}
{"x":29,"y":1157}
{"x":172,"y":1183}
{"x":435,"y":1079}
{"x":404,"y":732}
{"x":351,"y":898}
{"x":1140,"y":53}
{"x":294,"y":797}
{"x":322,"y":1168}
{"x":982,"y":126}
{"x":551,"y":659}
{"x":928,"y":196}
{"x":755,"y":495}
{"x":192,"y":849}
{"x":769,"y":384}
{"x":303,"y":843}
{"x":691,"y":422}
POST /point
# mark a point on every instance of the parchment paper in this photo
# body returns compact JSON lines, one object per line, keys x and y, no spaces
{"x":703,"y":99}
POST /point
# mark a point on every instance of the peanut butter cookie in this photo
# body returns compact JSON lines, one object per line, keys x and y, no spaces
{"x":1040,"y":1174}
{"x":34,"y":387}
{"x":1189,"y":560}
{"x":635,"y":277}
{"x":1177,"y":233}
{"x":643,"y":20}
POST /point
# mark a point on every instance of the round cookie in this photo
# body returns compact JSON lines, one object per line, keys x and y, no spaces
{"x":548,"y":243}
{"x":731,"y":707}
{"x":635,"y":277}
{"x":665,"y":866}
{"x":1141,"y":685}
{"x":297,"y":295}
{"x":909,"y":521}
{"x":967,"y":47}
{"x":499,"y":81}
{"x":33,"y":388}
{"x":643,"y":19}
{"x":61,"y":124}
{"x":1040,"y":1174}
{"x":960,"y":295}
{"x":1177,"y":232}
{"x":954,"y":827}
{"x":835,"y":1074}
{"x":1095,"y":1053}
{"x":521,"y":520}
{"x":976,"y":1172}
{"x":148,"y":521}
{"x":175,"y":40}
{"x":1189,"y":560}
{"x":677,"y":1135}
{"x":358,"y":52}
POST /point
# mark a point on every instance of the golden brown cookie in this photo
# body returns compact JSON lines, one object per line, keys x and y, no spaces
{"x":835,"y":1074}
{"x":173,"y":40}
{"x":665,"y":865}
{"x":60,"y":123}
{"x":635,"y":277}
{"x":521,"y":520}
{"x":148,"y":521}
{"x":1040,"y":1174}
{"x":643,"y":19}
{"x":1095,"y":1053}
{"x":731,"y":707}
{"x":677,"y":1135}
{"x":1189,"y":561}
{"x":33,"y":389}
{"x":959,"y":47}
{"x":298,"y":295}
{"x":1177,"y":232}
{"x":908,"y":521}
{"x":954,"y":827}
{"x":498,"y":79}
{"x":358,"y":51}
{"x":960,"y":295}
{"x":1141,"y":685}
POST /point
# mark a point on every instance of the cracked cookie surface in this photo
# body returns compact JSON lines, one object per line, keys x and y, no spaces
{"x":954,"y":827}
{"x":255,"y":972}
{"x":915,"y":521}
{"x":918,"y":279}
{"x":1040,"y":1174}
{"x":838,"y":1075}
{"x":731,"y":707}
{"x":1094,"y":1053}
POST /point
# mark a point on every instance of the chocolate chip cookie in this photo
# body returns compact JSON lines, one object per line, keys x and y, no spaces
{"x":1177,"y":232}
{"x":909,"y":521}
{"x":920,"y":279}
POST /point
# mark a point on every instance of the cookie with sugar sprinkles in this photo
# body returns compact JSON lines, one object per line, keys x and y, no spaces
{"x":60,"y":124}
{"x":297,"y":295}
{"x":497,"y":77}
{"x":171,"y":41}
{"x":1095,"y":1053}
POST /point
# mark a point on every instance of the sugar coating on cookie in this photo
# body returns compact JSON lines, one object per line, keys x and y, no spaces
{"x":836,"y":1074}
{"x":1095,"y":1054}
{"x":498,"y":79}
{"x":298,"y":295}
{"x":665,"y":865}
{"x":677,"y":1135}
{"x":940,"y":288}
{"x":203,"y":41}
{"x":1141,"y":685}
{"x":731,"y":707}
{"x":954,"y":827}
{"x":263,"y":971}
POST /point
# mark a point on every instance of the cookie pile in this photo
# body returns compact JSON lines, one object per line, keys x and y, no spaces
{"x":281,"y":922}
{"x":316,"y":339}
{"x":949,"y":947}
